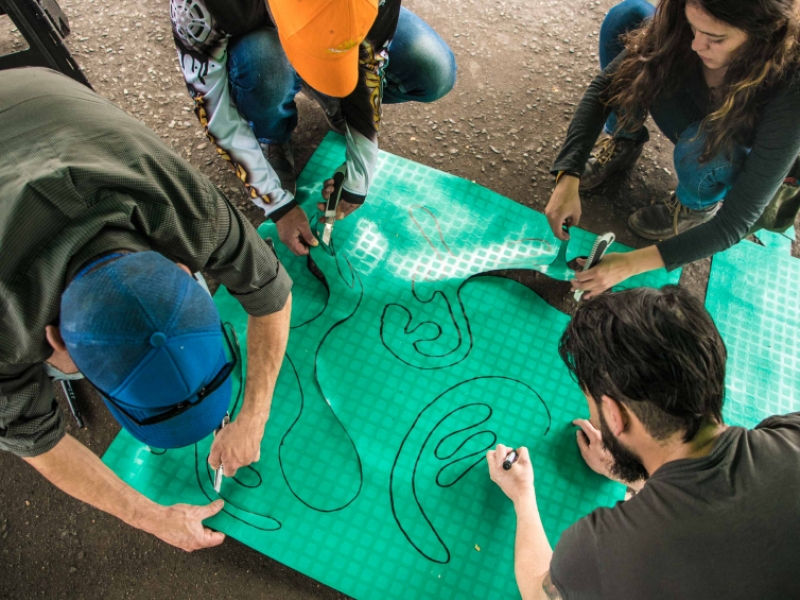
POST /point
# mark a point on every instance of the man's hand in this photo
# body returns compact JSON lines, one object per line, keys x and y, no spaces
{"x":517,"y":482}
{"x":294,"y":231}
{"x":593,"y":451}
{"x":344,"y":208}
{"x":236,"y":446}
{"x":76,"y":470}
{"x":564,"y":206}
{"x":181,"y":525}
{"x":590,"y":443}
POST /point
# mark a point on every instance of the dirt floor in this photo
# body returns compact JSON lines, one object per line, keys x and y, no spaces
{"x":522,"y":68}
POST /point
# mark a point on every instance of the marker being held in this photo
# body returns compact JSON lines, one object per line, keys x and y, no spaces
{"x":510,"y":459}
{"x":601,"y":244}
{"x":516,"y":479}
{"x":221,"y":471}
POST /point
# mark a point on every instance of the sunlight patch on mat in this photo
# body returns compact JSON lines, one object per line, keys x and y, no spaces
{"x":752,"y":296}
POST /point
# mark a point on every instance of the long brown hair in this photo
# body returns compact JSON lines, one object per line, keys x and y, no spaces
{"x":660,"y":52}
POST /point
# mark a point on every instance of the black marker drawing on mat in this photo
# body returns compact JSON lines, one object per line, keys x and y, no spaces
{"x":247,"y":477}
{"x":457,"y":452}
{"x":397,"y":332}
{"x":309,"y":485}
{"x":445,"y":341}
{"x":451,"y":464}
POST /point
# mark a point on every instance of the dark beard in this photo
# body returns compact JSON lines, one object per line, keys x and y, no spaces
{"x":627,"y":465}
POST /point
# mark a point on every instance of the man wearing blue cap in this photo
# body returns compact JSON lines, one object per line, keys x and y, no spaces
{"x":101,"y":227}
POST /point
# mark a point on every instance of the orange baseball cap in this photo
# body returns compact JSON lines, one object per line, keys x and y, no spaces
{"x":321,"y":39}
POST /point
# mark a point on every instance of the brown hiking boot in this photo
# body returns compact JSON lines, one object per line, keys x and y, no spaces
{"x":281,"y":158}
{"x":610,"y":155}
{"x":668,"y":219}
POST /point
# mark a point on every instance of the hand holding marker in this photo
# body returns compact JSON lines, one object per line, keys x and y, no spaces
{"x":599,"y":248}
{"x":510,"y":459}
{"x":332,"y":206}
{"x":220,"y":472}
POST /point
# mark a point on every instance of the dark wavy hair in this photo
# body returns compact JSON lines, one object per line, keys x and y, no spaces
{"x":656,"y":351}
{"x":659,"y":52}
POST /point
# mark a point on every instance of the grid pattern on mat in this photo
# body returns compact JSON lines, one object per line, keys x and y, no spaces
{"x":401,"y":371}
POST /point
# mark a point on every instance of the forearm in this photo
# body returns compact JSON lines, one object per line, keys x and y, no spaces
{"x":532,"y":551}
{"x":362,"y":158}
{"x":77,"y":471}
{"x":585,"y":128}
{"x":267,"y":337}
{"x":644,"y":260}
{"x":717,"y":235}
{"x":209,"y":86}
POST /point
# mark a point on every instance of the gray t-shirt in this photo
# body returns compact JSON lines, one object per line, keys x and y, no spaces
{"x":723,"y":526}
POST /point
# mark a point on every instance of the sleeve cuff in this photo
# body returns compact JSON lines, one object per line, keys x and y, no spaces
{"x":353,"y":198}
{"x":279,"y":213}
{"x":38,"y":449}
{"x":670,"y":254}
{"x":271,"y":298}
{"x":568,"y":168}
{"x":36,"y":436}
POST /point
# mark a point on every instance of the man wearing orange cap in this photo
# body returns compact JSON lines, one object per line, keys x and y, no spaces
{"x":244,"y":61}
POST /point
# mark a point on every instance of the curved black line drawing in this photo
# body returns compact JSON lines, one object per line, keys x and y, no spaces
{"x":396,"y":325}
{"x":460,"y":322}
{"x":354,"y":495}
{"x":261,"y":522}
{"x":258,"y":521}
{"x":348,"y":496}
{"x":440,"y":553}
{"x":458,"y":451}
{"x":312,"y":268}
{"x":458,"y":327}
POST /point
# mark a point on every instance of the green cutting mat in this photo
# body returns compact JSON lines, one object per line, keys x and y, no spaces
{"x":401,"y":372}
{"x":752,"y":296}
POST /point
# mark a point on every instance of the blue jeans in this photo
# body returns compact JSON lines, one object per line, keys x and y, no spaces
{"x":421,"y":67}
{"x":699,"y":185}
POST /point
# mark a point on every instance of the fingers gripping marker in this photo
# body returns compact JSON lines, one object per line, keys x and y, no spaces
{"x":599,"y":248}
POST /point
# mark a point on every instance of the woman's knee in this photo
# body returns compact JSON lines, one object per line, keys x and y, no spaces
{"x":622,"y":18}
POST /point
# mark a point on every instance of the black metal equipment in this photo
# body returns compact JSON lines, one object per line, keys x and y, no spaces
{"x":44,"y":25}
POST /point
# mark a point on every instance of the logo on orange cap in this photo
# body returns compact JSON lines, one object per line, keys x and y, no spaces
{"x":321,"y":39}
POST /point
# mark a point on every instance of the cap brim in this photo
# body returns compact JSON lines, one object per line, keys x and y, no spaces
{"x":336,"y":76}
{"x":184,"y":429}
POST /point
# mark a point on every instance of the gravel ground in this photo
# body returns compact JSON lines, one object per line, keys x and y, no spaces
{"x":523,"y":66}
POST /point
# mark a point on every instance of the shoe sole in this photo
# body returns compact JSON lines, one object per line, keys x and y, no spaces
{"x":587,"y":188}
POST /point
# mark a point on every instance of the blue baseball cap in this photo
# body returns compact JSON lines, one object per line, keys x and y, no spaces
{"x":150,"y":339}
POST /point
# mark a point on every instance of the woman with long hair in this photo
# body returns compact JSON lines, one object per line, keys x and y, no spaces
{"x":721,"y":79}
